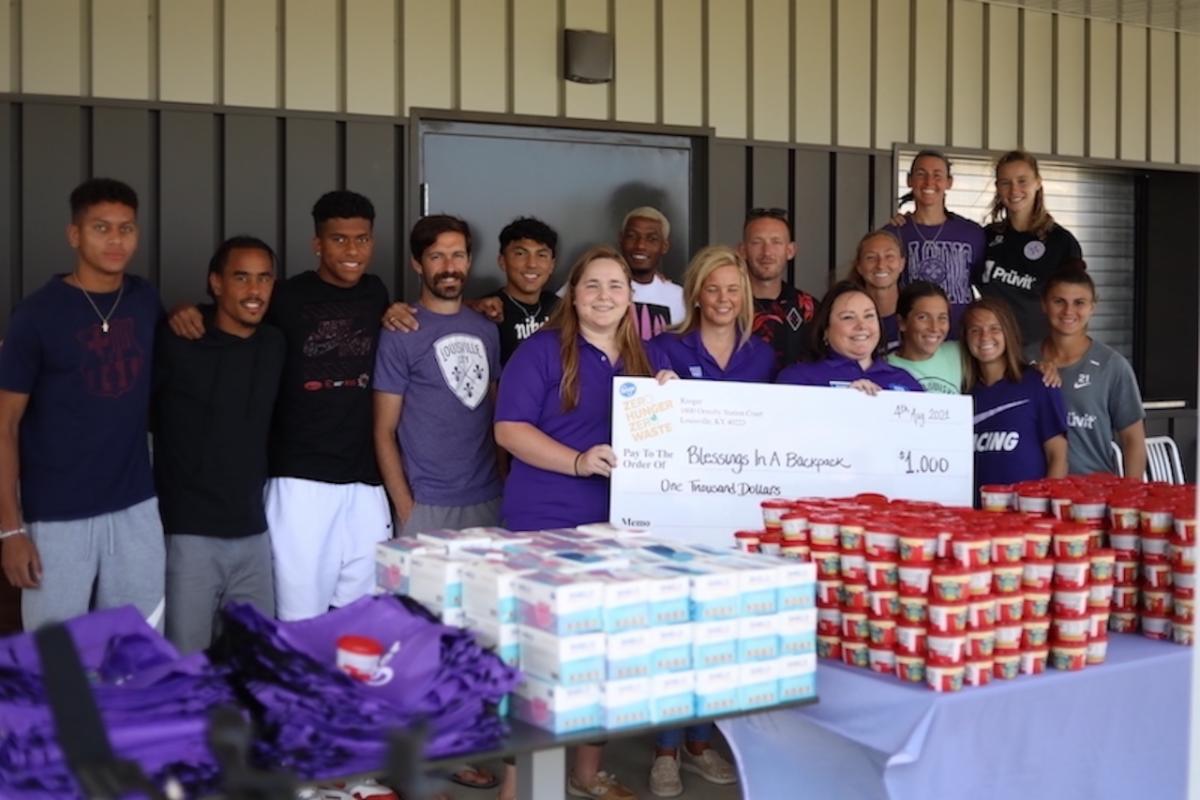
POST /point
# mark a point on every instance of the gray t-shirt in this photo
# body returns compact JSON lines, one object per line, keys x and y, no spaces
{"x":444,"y":370}
{"x":1102,"y":398}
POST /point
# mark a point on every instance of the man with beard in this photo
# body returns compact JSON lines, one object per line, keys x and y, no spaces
{"x":434,"y":394}
{"x":780,"y":309}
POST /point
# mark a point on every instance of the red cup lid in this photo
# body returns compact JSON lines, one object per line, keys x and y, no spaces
{"x":996,"y":488}
{"x":749,"y":534}
{"x":1103,"y":553}
{"x":362,"y":645}
{"x":776,"y":503}
{"x":948,"y":568}
{"x":794,"y":514}
{"x":771,"y":538}
{"x":1071,"y":528}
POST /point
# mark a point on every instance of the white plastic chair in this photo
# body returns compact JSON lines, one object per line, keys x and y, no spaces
{"x":1120,"y":459}
{"x":1162,"y":459}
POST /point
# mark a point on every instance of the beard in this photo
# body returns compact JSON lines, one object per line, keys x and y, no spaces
{"x":431,"y":283}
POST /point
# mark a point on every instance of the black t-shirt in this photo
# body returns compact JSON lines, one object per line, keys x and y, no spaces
{"x":322,"y":429}
{"x":1016,"y":265}
{"x":521,"y":320}
{"x":213,"y":402}
{"x":780,"y":323}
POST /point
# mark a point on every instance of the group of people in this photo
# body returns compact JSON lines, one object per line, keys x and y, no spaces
{"x":284,"y":452}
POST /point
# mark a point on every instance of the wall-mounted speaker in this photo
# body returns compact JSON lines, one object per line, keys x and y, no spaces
{"x":587,"y":56}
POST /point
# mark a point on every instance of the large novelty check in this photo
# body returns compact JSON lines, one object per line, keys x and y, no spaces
{"x":695,"y":458}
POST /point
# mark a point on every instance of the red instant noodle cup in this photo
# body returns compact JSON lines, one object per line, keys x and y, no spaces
{"x":773,"y":511}
{"x":794,"y":526}
{"x":1181,"y":556}
{"x":1125,"y":598}
{"x":945,"y":650}
{"x":1008,"y":547}
{"x":1033,"y":498}
{"x":882,"y":632}
{"x":917,"y":546}
{"x":1070,"y":628}
{"x":914,"y":579}
{"x":1154,"y":548}
{"x":947,"y":618}
{"x":979,"y":671}
{"x":854,"y":597}
{"x":1158,"y":517}
{"x":996,"y":497}
{"x":911,"y":640}
{"x":854,"y":654}
{"x":1071,"y":540}
{"x":747,"y":541}
{"x":829,"y":593}
{"x":1185,"y":524}
{"x":1157,"y":602}
{"x":1156,"y":626}
{"x":884,"y":604}
{"x":1069,"y":602}
{"x":1069,"y":656}
{"x":770,"y":544}
{"x":823,"y":531}
{"x":882,"y":543}
{"x":913,"y":609}
{"x":829,"y":562}
{"x":1126,"y":545}
{"x":1007,"y":578}
{"x":1038,"y":537}
{"x":1035,"y":633}
{"x":1125,"y":572}
{"x":1156,"y":576}
{"x":950,"y":584}
{"x":1010,"y":608}
{"x":981,"y":613}
{"x":1185,"y":610}
{"x":1100,"y":595}
{"x":1060,"y":502}
{"x":1103,"y":563}
{"x":882,"y":574}
{"x":1006,"y":666}
{"x":971,"y":550}
{"x":981,"y":582}
{"x":853,"y":567}
{"x":1033,"y":662}
{"x":1123,"y":621}
{"x":1035,"y":605}
{"x":910,"y":669}
{"x":1183,"y":582}
{"x":850,"y":535}
{"x":1008,"y":637}
{"x":882,"y":660}
{"x":1089,"y":508}
{"x":1097,"y":651}
{"x":1183,"y":633}
{"x":829,"y":647}
{"x":1037,"y":575}
{"x":1098,"y":629}
{"x":1123,"y":513}
{"x":1072,"y":573}
{"x":981,"y":643}
{"x":829,"y":622}
{"x":945,"y":678}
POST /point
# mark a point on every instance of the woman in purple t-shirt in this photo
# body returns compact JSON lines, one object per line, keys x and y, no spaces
{"x":846,"y":341}
{"x":878,"y":265}
{"x":1020,"y":423}
{"x":553,"y":414}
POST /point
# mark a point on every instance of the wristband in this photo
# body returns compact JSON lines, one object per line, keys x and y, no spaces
{"x":13,"y":532}
{"x":578,"y":456}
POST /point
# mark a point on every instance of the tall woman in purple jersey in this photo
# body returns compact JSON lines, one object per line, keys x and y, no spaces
{"x":714,"y":341}
{"x":1020,"y":423}
{"x":553,"y":414}
{"x":846,"y":341}
{"x":878,"y":264}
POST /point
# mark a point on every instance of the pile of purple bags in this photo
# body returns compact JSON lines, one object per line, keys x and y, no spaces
{"x":154,"y":705}
{"x":314,"y":719}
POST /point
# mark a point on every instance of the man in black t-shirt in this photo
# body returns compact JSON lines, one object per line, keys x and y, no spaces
{"x":528,"y":248}
{"x":213,"y":402}
{"x":780,"y":309}
{"x":326,"y":508}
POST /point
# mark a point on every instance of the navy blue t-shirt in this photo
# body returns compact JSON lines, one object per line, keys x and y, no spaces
{"x":83,"y":446}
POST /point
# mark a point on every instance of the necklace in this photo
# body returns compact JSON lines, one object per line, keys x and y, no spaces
{"x":524,"y":309}
{"x":104,"y":318}
{"x":936,"y":236}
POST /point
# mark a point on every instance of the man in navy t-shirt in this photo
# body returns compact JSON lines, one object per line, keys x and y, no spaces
{"x":74,"y":402}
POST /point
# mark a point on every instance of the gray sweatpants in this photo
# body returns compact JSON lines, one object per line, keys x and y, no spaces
{"x":99,"y":562}
{"x":434,"y":518}
{"x":206,"y":572}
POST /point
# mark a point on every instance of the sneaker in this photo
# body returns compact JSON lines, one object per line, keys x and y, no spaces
{"x":709,"y":765}
{"x":664,"y":777}
{"x":602,"y":787}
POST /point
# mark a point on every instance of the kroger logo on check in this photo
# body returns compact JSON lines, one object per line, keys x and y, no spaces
{"x":628,"y":389}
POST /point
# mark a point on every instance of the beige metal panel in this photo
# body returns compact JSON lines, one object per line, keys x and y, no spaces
{"x":483,"y":64}
{"x":1038,"y":82}
{"x":121,"y":49}
{"x":371,"y":57}
{"x":727,"y":96}
{"x":854,"y":73}
{"x":1002,"y":83}
{"x":1189,"y":109}
{"x":769,"y":68}
{"x":8,"y":49}
{"x":187,"y":51}
{"x":535,"y":57}
{"x":428,"y":52}
{"x":966,"y":74}
{"x":683,"y":67}
{"x":587,"y":100}
{"x":1162,"y":96}
{"x":251,"y":53}
{"x":635,"y":66}
{"x":312,"y":66}
{"x":929,"y":92}
{"x":1070,"y":98}
{"x":52,"y":47}
{"x":814,"y":71}
{"x":1102,"y":92}
{"x":892,"y":45}
{"x":1133,"y":93}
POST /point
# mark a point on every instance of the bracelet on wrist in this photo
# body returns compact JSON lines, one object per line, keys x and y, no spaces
{"x":14,"y":532}
{"x":578,"y":456}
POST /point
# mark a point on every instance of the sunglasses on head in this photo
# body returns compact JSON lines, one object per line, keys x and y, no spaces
{"x":773,"y":213}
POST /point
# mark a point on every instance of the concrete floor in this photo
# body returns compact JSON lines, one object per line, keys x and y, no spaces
{"x":629,"y":759}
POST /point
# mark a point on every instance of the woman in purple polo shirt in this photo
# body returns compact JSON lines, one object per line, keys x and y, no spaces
{"x":1020,"y":423}
{"x":846,"y":336}
{"x":553,"y":414}
{"x":714,"y":340}
{"x":878,"y":264}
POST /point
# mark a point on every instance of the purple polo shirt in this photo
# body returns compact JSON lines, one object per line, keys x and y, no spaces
{"x":536,"y":499}
{"x":1012,"y":423}
{"x":841,"y":371}
{"x":754,"y":361}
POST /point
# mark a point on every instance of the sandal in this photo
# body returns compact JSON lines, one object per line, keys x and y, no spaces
{"x":485,"y":778}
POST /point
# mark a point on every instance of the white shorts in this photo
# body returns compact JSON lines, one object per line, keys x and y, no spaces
{"x":323,"y":538}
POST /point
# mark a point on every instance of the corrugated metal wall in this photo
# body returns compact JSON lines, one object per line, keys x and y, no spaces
{"x":852,"y":73}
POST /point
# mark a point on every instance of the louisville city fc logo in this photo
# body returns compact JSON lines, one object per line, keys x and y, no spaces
{"x":464,"y":364}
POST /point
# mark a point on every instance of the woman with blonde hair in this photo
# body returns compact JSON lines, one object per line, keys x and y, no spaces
{"x":1020,"y":423}
{"x":878,"y":265}
{"x":714,"y":340}
{"x":1025,"y":244}
{"x":554,"y":415}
